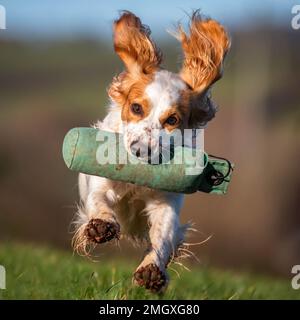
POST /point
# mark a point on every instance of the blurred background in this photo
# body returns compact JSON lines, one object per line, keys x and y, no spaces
{"x":56,"y":61}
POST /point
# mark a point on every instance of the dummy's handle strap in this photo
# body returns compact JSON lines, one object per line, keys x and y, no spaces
{"x":216,"y":175}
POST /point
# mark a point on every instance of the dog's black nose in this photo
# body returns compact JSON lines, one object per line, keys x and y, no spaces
{"x":140,"y":150}
{"x":135,"y":149}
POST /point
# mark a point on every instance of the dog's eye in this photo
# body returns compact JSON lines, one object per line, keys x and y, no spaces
{"x":172,"y":120}
{"x":136,"y":108}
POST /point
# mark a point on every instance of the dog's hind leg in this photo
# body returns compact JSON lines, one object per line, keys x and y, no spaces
{"x":96,"y":221}
{"x":165,"y":235}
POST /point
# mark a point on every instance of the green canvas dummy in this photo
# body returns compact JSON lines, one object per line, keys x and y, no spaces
{"x":81,"y":146}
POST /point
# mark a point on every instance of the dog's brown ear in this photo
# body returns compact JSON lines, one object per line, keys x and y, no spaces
{"x":134,"y":46}
{"x":204,"y":51}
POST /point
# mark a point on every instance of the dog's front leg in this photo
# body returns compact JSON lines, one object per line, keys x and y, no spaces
{"x":96,"y":221}
{"x":165,"y":234}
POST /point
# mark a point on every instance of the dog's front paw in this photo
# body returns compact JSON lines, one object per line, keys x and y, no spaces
{"x":151,"y":277}
{"x":100,"y":231}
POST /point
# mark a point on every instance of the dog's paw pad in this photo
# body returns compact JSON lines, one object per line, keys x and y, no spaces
{"x":150,"y":277}
{"x":100,"y":231}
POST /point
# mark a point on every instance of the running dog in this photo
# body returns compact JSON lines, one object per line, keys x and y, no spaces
{"x":145,"y":97}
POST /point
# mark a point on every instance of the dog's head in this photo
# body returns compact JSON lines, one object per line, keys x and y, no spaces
{"x":153,"y":98}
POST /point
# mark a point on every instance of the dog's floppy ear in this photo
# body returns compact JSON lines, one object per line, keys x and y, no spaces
{"x":134,"y":46}
{"x":204,"y":50}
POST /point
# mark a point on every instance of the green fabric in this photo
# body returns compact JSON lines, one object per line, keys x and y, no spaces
{"x":219,"y":165}
{"x":80,"y":149}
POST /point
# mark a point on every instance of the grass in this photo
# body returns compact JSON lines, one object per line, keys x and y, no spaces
{"x":43,"y":273}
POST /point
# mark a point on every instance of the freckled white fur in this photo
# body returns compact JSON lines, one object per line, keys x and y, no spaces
{"x":164,"y":92}
{"x":142,"y":213}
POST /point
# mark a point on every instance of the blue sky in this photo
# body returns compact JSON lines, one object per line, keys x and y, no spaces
{"x":71,"y":18}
